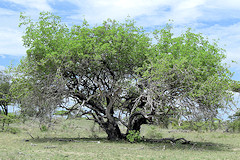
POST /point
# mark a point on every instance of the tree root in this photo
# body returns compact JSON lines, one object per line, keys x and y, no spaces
{"x":171,"y":140}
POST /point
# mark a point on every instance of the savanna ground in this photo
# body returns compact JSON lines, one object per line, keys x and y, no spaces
{"x":81,"y":139}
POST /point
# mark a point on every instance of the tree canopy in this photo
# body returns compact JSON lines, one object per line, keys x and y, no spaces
{"x":115,"y":73}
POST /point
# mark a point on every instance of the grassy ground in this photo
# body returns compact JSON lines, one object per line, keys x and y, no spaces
{"x":73,"y":139}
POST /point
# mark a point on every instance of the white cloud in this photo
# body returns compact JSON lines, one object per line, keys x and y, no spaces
{"x":11,"y":42}
{"x":6,"y":12}
{"x":41,"y":5}
{"x":10,"y":39}
{"x":155,"y":12}
{"x":186,"y":11}
{"x":223,"y":4}
{"x":97,"y":10}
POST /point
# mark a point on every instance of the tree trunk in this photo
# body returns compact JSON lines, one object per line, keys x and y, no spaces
{"x":136,"y":120}
{"x":5,"y":110}
{"x":112,"y":130}
{"x":111,"y":127}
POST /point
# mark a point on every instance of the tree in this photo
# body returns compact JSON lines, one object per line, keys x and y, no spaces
{"x":115,"y":74}
{"x":234,"y":123}
{"x":5,"y":98}
{"x":5,"y":95}
{"x":33,"y":96}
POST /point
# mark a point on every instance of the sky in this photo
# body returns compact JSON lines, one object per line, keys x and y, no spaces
{"x":216,"y":19}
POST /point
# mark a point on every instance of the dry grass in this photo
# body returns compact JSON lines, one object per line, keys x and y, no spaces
{"x":73,"y":139}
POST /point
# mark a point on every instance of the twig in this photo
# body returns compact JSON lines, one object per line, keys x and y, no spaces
{"x":30,"y":135}
{"x":47,"y":147}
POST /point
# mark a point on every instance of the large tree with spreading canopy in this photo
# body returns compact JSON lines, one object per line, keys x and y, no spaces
{"x":115,"y":74}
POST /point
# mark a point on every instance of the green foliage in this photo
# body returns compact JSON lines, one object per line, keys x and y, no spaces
{"x":7,"y":119}
{"x":187,"y":71}
{"x":43,"y":128}
{"x":12,"y":130}
{"x":234,"y":126}
{"x":133,"y":136}
{"x":236,"y":116}
{"x":52,"y":45}
{"x":61,"y":113}
{"x":236,"y":86}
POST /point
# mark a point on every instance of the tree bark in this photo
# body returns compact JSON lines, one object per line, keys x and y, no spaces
{"x":4,"y":109}
{"x":111,"y":127}
{"x":136,"y":120}
{"x":112,"y":130}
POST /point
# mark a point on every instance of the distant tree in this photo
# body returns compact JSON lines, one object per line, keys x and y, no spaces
{"x":234,"y":124}
{"x":34,"y":97}
{"x":5,"y":95}
{"x":235,"y":116}
{"x":115,"y":74}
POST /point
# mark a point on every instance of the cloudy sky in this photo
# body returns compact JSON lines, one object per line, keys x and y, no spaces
{"x":214,"y":18}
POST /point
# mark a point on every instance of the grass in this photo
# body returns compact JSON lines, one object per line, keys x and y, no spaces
{"x":73,"y":139}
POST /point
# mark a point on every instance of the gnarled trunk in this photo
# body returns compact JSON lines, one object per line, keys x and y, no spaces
{"x":4,"y":109}
{"x":112,"y":130}
{"x":111,"y":127}
{"x":136,"y":120}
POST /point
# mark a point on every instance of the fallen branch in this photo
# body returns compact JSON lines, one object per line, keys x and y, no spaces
{"x":48,"y":147}
{"x":30,"y":135}
{"x":71,"y":140}
{"x":172,"y":140}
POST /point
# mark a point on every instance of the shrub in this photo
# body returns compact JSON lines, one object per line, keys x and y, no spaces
{"x":235,"y":126}
{"x":133,"y":136}
{"x":43,"y":128}
{"x":13,"y":130}
{"x":7,"y":119}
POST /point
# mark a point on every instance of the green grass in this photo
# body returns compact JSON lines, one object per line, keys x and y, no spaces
{"x":73,"y":139}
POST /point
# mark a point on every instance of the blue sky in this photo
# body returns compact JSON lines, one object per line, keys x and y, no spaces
{"x":214,"y":18}
{"x":217,"y":19}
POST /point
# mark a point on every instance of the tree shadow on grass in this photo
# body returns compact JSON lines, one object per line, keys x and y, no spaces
{"x":156,"y":144}
{"x":66,"y":140}
{"x":201,"y":146}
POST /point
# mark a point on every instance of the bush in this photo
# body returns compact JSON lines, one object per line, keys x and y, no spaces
{"x":235,"y":126}
{"x":7,"y":119}
{"x":133,"y":136}
{"x":43,"y":128}
{"x":13,"y":130}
